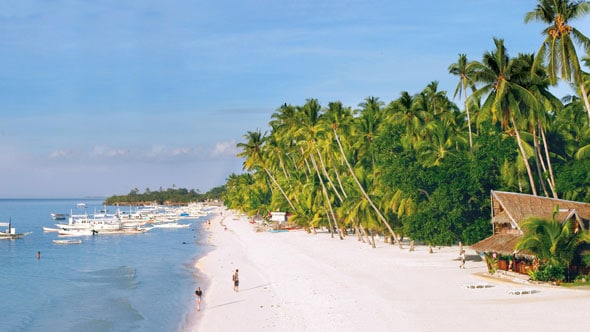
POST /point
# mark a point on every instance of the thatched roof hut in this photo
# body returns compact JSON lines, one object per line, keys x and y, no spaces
{"x":510,"y":210}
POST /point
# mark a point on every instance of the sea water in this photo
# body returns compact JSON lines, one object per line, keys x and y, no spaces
{"x":139,"y":282}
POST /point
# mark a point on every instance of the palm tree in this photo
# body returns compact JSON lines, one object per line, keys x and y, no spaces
{"x":406,"y":112}
{"x":538,"y":119}
{"x":504,"y":96}
{"x":308,"y":132}
{"x":553,"y":243}
{"x":442,"y":141}
{"x":558,"y":51}
{"x":252,"y":152}
{"x":335,"y":129}
{"x":461,"y":69}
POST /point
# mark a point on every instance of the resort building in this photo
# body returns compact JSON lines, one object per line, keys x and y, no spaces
{"x":510,"y":210}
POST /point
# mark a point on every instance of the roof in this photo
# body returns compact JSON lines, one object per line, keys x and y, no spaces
{"x":501,"y":243}
{"x":514,"y":208}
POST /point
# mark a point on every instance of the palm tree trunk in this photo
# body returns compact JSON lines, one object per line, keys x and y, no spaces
{"x":359,"y":235}
{"x":539,"y":162}
{"x":468,"y":119}
{"x":326,"y":196}
{"x":339,"y":181}
{"x":281,"y":189}
{"x":524,"y":157}
{"x":585,"y":97}
{"x":329,"y":224}
{"x":551,"y":179}
{"x":328,"y":176}
{"x":358,"y":183}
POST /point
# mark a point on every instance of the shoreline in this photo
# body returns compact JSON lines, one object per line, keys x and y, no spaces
{"x":294,"y":281}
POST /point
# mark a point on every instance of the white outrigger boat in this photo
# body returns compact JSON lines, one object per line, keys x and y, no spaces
{"x":69,"y":241}
{"x":9,"y":232}
{"x":170,"y":225}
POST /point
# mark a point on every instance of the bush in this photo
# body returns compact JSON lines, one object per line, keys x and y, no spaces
{"x":492,"y":263}
{"x":549,"y":272}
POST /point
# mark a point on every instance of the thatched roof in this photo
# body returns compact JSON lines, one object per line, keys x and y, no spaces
{"x":514,"y":208}
{"x":501,"y":243}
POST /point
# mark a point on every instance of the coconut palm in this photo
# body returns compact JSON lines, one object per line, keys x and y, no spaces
{"x":461,"y":69}
{"x":504,"y":97}
{"x":308,"y":135}
{"x":558,"y":51}
{"x":442,"y":141}
{"x":351,"y":171}
{"x":252,"y":151}
{"x":405,"y":112}
{"x":539,"y":119}
{"x":552,"y":242}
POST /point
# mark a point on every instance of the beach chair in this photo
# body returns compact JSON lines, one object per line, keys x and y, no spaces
{"x":475,"y":285}
{"x":522,"y":291}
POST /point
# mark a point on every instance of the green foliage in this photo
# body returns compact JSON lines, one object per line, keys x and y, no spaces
{"x":550,"y":272}
{"x":491,"y":263}
{"x":410,"y":164}
{"x":168,"y":196}
{"x":573,"y":179}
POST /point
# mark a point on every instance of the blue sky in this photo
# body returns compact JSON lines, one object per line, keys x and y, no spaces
{"x":100,"y":97}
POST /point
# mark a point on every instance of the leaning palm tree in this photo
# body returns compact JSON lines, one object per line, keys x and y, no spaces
{"x":335,"y":130}
{"x":252,"y":151}
{"x":461,"y":69}
{"x":558,"y":51}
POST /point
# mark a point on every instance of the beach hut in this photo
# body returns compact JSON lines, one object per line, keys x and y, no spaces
{"x":509,"y":210}
{"x":280,"y":217}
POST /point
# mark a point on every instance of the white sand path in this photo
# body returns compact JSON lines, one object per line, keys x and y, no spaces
{"x":294,"y":281}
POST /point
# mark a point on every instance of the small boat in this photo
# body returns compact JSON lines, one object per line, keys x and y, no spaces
{"x":72,"y":241}
{"x":77,"y":232}
{"x":58,"y":216}
{"x":171,"y":225}
{"x":9,"y":232}
{"x":49,"y":229}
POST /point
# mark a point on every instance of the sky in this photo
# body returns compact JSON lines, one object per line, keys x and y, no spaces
{"x":101,"y":97}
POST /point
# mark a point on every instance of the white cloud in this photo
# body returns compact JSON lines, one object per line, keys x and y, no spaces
{"x":225,"y":149}
{"x":59,"y":154}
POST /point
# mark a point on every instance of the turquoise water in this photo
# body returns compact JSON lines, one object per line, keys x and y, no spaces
{"x":141,"y":282}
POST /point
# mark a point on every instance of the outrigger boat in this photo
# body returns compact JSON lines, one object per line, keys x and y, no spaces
{"x":170,"y":225}
{"x":58,"y":216}
{"x":9,"y":232}
{"x":71,"y":241}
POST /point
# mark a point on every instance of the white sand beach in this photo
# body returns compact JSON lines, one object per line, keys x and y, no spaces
{"x":294,"y":281}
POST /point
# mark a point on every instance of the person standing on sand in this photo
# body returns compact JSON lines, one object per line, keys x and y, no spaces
{"x":462,"y":256}
{"x":236,"y":280}
{"x":198,"y":294}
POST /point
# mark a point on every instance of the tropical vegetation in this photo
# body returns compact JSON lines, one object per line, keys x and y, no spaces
{"x":422,"y":166}
{"x":175,"y":196}
{"x":554,"y":245}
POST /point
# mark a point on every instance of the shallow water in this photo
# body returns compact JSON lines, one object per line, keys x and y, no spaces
{"x":140,"y":282}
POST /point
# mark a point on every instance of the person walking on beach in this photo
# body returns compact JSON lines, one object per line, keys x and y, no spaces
{"x":198,"y":294}
{"x":236,"y":280}
{"x":462,"y":256}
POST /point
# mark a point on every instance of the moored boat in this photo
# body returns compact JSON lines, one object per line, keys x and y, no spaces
{"x":76,"y":232}
{"x":170,"y":225}
{"x":58,"y":216}
{"x":9,"y":232}
{"x":70,"y":241}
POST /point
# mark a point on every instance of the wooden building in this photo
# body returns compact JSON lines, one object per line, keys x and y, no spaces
{"x":509,"y":210}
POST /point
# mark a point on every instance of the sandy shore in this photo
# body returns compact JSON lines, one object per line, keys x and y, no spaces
{"x":294,"y":281}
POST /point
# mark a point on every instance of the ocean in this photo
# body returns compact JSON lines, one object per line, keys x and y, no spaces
{"x":139,"y":282}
